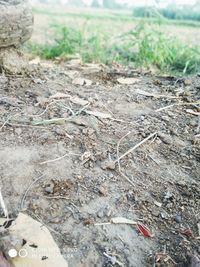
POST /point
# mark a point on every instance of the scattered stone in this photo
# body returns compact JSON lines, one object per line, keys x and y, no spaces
{"x":193,"y":123}
{"x":166,"y":118}
{"x":18,"y":131}
{"x":108,"y":165}
{"x":164,"y":215}
{"x":157,"y":203}
{"x":49,"y":189}
{"x":165,"y":138}
{"x":155,"y":212}
{"x":168,"y":195}
{"x":187,"y":82}
{"x":100,"y":213}
{"x":194,"y":261}
{"x":178,"y":218}
{"x":128,"y":81}
{"x":82,"y":81}
{"x":102,"y":191}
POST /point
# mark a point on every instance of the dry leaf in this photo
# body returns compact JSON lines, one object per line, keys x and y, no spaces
{"x":145,"y":93}
{"x":35,"y":61}
{"x":59,"y":96}
{"x":3,"y":221}
{"x":58,"y":121}
{"x":79,"y":101}
{"x":71,"y":73}
{"x":187,"y":232}
{"x":82,"y":81}
{"x":91,"y":68}
{"x":47,"y":64}
{"x":73,"y":99}
{"x":121,"y":220}
{"x":41,"y":249}
{"x":128,"y":80}
{"x":190,"y":111}
{"x":75,"y":61}
{"x":99,"y":114}
{"x":113,"y":260}
{"x":157,"y":203}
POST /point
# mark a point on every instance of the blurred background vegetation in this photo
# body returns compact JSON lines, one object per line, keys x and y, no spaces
{"x":160,"y":35}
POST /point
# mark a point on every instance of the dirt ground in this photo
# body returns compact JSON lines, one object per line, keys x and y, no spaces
{"x":62,"y":130}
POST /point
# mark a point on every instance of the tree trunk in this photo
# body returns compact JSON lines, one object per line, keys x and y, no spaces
{"x":16,"y":22}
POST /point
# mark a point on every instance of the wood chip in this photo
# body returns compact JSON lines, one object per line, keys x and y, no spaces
{"x":82,"y":81}
{"x":157,"y":203}
{"x":128,"y":80}
{"x":99,"y":114}
{"x":74,"y":99}
{"x":49,"y":122}
{"x":190,"y":111}
{"x":35,"y":61}
{"x":78,"y":101}
{"x":145,"y":93}
{"x":121,"y":220}
{"x":59,"y":96}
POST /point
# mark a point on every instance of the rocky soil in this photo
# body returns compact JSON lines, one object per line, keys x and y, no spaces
{"x":63,"y":129}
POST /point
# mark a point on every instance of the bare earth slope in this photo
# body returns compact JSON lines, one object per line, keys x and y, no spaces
{"x":69,"y":142}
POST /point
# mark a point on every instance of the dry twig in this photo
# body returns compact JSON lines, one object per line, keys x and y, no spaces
{"x":57,"y":197}
{"x":118,"y":161}
{"x":3,"y":205}
{"x":28,"y":189}
{"x":59,"y":158}
{"x":178,"y":104}
{"x":136,"y":146}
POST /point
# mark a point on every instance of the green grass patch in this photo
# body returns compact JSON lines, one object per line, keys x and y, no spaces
{"x":149,"y":46}
{"x":144,"y":46}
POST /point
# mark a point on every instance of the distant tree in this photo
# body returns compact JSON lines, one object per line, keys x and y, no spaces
{"x":76,"y":3}
{"x":197,"y":3}
{"x":109,"y":4}
{"x":95,"y":3}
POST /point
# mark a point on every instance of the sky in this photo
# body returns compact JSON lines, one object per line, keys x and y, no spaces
{"x":150,"y":2}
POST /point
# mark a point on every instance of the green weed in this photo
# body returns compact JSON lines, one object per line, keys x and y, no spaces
{"x":149,"y":46}
{"x":65,"y":43}
{"x":144,"y":46}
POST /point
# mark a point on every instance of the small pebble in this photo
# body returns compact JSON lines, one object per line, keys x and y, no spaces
{"x":102,"y":191}
{"x":187,"y":82}
{"x":108,"y":165}
{"x":100,"y":213}
{"x":178,"y":218}
{"x":18,"y":131}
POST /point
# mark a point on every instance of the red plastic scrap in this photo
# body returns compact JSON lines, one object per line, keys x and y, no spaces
{"x":187,"y":232}
{"x":144,"y":230}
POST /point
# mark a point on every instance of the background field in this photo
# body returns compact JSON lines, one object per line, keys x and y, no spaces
{"x":100,"y":35}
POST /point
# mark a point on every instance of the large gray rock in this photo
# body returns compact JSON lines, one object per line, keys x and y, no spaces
{"x":16,"y":22}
